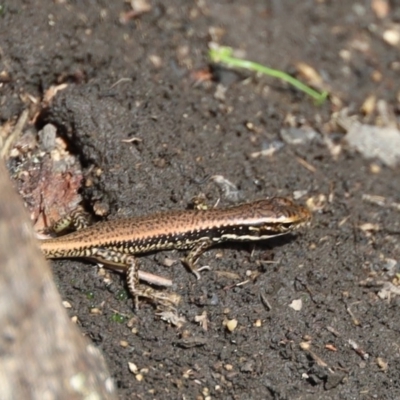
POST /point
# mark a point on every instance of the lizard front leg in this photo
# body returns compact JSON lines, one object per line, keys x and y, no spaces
{"x":194,"y":254}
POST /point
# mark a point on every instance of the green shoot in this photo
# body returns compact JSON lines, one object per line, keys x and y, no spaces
{"x":224,"y":55}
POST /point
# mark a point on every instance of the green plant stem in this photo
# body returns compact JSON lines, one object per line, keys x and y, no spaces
{"x":224,"y":55}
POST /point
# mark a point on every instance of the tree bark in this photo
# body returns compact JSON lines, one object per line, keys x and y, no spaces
{"x":42,"y":353}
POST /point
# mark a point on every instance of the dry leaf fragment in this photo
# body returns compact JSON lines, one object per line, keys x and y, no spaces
{"x":382,"y":364}
{"x":310,"y":74}
{"x":381,"y":8}
{"x":297,"y":305}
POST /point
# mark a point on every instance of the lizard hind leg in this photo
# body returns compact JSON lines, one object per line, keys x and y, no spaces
{"x":76,"y":220}
{"x":130,"y":264}
{"x":165,"y":299}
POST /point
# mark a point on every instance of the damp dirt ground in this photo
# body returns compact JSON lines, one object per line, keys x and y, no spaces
{"x":151,"y":123}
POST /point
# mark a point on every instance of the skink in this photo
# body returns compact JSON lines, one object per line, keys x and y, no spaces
{"x":117,"y":242}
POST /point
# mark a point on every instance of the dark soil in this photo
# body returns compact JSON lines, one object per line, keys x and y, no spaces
{"x":139,"y":80}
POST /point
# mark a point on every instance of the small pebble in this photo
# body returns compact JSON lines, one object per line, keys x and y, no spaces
{"x":231,"y":325}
